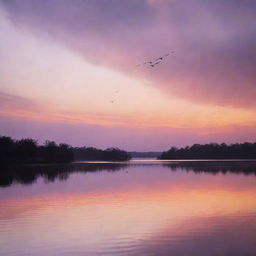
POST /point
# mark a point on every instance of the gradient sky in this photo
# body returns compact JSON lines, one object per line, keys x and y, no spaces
{"x":63,"y":62}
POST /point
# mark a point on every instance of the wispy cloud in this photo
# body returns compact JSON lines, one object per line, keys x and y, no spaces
{"x":73,"y":55}
{"x":214,"y":41}
{"x":205,"y":122}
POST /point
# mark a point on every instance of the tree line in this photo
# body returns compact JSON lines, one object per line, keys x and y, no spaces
{"x":94,"y":154}
{"x":29,"y":151}
{"x":212,"y":151}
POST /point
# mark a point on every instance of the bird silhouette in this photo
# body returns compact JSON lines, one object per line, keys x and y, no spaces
{"x":148,"y":62}
{"x":156,"y":61}
{"x":161,"y":58}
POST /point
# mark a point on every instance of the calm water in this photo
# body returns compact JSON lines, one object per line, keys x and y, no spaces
{"x":143,"y":208}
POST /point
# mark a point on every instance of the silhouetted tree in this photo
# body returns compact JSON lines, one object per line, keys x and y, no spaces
{"x":212,"y":151}
{"x":57,"y":153}
{"x":27,"y":151}
{"x":50,"y":151}
{"x":7,"y":149}
{"x":93,"y":154}
{"x":65,"y":153}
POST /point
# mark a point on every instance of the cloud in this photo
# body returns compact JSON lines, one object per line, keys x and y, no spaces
{"x":9,"y":100}
{"x":214,"y":41}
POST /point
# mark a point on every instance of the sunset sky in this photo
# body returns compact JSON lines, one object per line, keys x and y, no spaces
{"x":68,"y":72}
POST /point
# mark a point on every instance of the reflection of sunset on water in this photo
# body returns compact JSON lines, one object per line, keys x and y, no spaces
{"x":142,"y":205}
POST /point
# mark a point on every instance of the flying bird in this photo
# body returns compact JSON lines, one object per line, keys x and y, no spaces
{"x":161,"y":58}
{"x":156,"y":61}
{"x":164,"y":56}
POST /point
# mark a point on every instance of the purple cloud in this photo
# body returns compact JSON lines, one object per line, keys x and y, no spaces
{"x":214,"y":41}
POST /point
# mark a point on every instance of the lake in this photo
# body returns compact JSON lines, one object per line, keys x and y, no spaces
{"x":144,"y":208}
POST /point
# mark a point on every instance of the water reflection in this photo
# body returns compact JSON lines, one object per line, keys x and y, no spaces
{"x":135,"y":209}
{"x":28,"y":174}
{"x":215,"y":167}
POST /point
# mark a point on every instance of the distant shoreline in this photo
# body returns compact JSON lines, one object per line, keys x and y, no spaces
{"x":212,"y":151}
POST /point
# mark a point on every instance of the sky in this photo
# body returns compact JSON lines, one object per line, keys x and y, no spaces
{"x":69,"y":72}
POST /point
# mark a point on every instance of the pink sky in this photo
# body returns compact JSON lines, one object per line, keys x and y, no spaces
{"x":68,"y":72}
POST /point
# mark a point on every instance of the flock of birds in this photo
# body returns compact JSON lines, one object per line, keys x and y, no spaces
{"x":151,"y":64}
{"x":156,"y":61}
{"x":117,"y":91}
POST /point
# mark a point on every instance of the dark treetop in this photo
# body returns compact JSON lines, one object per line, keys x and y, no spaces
{"x":212,"y":151}
{"x":28,"y":151}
